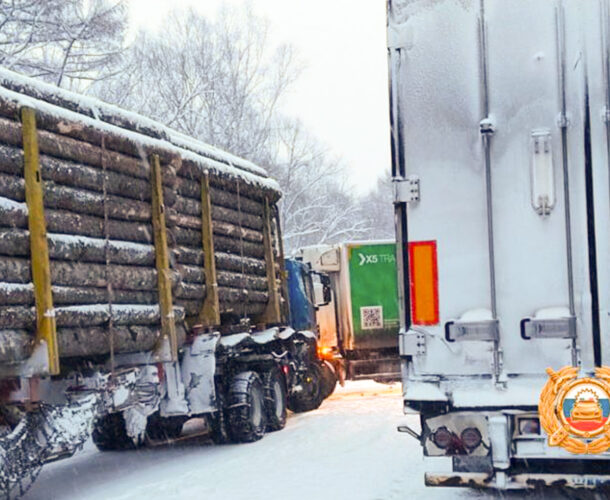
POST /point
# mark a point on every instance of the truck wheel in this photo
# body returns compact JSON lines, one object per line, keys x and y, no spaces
{"x":109,"y":433}
{"x":309,"y":397}
{"x":275,"y":399}
{"x":217,"y":421}
{"x":329,"y":379}
{"x":246,"y":408}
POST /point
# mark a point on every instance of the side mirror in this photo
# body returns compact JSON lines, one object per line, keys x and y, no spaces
{"x":322,"y":289}
{"x":324,"y":283}
{"x":326,"y":290}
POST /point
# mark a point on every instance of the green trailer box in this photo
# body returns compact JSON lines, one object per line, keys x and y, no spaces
{"x":373,"y":294}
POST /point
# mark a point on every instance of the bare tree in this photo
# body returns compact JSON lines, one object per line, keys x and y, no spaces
{"x":67,"y":42}
{"x":219,"y":81}
{"x":317,"y":207}
{"x":378,"y":210}
{"x":222,"y":82}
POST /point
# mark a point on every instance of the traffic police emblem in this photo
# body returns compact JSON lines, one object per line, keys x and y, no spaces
{"x":575,"y":411}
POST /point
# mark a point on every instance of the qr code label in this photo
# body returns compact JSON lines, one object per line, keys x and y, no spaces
{"x":371,"y":317}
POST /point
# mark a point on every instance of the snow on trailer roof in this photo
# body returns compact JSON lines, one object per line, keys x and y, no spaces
{"x":66,"y":105}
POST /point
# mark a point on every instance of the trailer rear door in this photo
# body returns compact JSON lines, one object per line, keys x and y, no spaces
{"x":500,"y":108}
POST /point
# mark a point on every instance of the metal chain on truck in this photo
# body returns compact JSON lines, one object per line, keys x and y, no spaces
{"x":40,"y":436}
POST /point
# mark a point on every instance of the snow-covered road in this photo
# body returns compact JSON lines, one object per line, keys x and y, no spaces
{"x":347,"y":449}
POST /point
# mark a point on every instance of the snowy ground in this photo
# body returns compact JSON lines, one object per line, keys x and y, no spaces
{"x":347,"y":449}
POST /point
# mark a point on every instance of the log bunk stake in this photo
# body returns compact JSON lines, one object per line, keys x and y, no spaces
{"x":168,"y":325}
{"x":46,"y":331}
{"x":283,"y":275}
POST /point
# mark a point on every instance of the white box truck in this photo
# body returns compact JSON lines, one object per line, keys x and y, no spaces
{"x":359,"y":326}
{"x":500,"y":114}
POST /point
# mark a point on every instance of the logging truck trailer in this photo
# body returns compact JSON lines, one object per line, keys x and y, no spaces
{"x":359,"y":326}
{"x":500,"y":134}
{"x":142,"y":283}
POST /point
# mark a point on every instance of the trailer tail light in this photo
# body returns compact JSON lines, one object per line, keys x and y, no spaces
{"x":442,"y":437}
{"x":471,"y":438}
{"x":424,"y":283}
{"x":529,"y":426}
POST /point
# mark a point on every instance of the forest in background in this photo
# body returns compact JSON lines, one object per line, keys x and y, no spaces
{"x":220,"y":81}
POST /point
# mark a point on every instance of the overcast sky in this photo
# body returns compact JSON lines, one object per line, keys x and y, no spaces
{"x":342,"y":94}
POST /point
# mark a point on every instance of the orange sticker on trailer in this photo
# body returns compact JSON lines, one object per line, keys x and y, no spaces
{"x":423,"y":272}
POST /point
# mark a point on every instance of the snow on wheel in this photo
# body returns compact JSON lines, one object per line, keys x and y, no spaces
{"x":246,"y":408}
{"x":217,"y":421}
{"x":307,"y":395}
{"x":275,"y":399}
{"x":110,"y":433}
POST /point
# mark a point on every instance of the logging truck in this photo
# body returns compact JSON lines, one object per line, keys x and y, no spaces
{"x":142,"y":283}
{"x":500,"y":117}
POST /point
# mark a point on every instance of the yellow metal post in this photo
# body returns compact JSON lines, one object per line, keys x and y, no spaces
{"x":285,"y":309}
{"x":210,"y":311}
{"x":272,"y":312}
{"x":41,"y":274}
{"x":168,"y":325}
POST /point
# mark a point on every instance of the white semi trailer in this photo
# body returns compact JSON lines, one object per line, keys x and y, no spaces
{"x":500,"y":116}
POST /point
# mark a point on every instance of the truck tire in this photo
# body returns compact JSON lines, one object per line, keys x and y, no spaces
{"x":274,"y":384}
{"x":310,"y":396}
{"x":329,"y":379}
{"x":245,"y":409}
{"x":110,"y":434}
{"x":217,"y":422}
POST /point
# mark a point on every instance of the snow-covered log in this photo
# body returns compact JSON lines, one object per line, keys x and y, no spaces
{"x":17,"y":317}
{"x":219,"y":227}
{"x":193,"y":171}
{"x":192,"y":308}
{"x":238,"y":280}
{"x":71,"y":273}
{"x":95,"y":341}
{"x":224,"y":261}
{"x":70,"y":149}
{"x":248,"y":265}
{"x":192,"y":238}
{"x":79,"y":175}
{"x":87,"y":315}
{"x":23,"y":294}
{"x":75,"y":129}
{"x":15,"y":345}
{"x":77,"y":200}
{"x":14,"y":215}
{"x":225,"y":196}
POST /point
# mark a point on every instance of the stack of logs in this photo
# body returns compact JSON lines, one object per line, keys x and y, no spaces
{"x":98,"y":212}
{"x":237,"y":222}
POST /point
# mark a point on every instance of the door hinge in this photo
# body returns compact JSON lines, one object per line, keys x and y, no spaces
{"x":406,"y":190}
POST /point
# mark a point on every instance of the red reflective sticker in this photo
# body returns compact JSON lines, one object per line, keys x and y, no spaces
{"x":423,"y":274}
